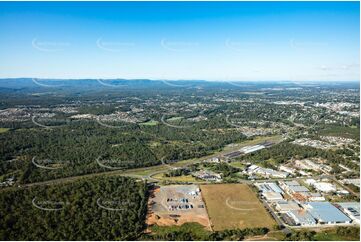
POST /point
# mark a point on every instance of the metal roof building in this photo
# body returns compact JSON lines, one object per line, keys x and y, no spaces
{"x":295,"y":189}
{"x":250,"y":149}
{"x":351,"y":209}
{"x":272,"y":196}
{"x":324,"y":187}
{"x":291,"y":183}
{"x":326,"y":213}
{"x":285,"y":206}
{"x":301,"y":217}
{"x":269,"y":187}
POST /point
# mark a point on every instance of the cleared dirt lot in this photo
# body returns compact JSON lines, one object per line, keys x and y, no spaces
{"x":176,"y":205}
{"x":233,"y":206}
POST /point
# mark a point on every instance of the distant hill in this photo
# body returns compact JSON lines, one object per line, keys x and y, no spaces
{"x":34,"y":84}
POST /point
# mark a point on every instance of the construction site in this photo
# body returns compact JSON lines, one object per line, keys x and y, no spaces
{"x":176,"y":205}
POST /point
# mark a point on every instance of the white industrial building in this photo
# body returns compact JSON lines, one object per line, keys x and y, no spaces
{"x":287,"y":169}
{"x":250,"y":149}
{"x":325,"y":187}
{"x":315,"y":197}
{"x":272,"y":196}
{"x":268,"y":187}
{"x":266,"y":172}
{"x":302,"y":217}
{"x":285,"y":206}
{"x":293,"y":187}
{"x":299,"y":189}
{"x":270,"y":191}
{"x":310,"y":181}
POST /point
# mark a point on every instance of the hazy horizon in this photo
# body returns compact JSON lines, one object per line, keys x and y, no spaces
{"x":231,"y":41}
{"x":175,"y":80}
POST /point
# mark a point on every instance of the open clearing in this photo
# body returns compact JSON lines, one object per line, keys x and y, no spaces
{"x":176,"y":205}
{"x":340,"y":131}
{"x":232,"y":206}
{"x":3,"y":130}
{"x":162,"y":177}
{"x":230,"y":148}
{"x":150,"y":123}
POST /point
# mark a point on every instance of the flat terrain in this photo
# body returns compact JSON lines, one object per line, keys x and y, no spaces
{"x":187,"y":178}
{"x":340,"y":131}
{"x":150,"y":123}
{"x":230,"y":148}
{"x":176,"y":205}
{"x":233,"y":206}
{"x":3,"y":130}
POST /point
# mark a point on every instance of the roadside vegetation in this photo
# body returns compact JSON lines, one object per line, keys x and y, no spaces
{"x":333,"y":234}
{"x":194,"y":231}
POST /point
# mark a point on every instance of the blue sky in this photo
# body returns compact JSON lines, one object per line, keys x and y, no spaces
{"x":310,"y":41}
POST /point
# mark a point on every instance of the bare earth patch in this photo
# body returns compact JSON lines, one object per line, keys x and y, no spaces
{"x":232,"y":206}
{"x":176,"y":205}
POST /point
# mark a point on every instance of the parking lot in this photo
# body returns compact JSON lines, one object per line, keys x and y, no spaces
{"x":176,"y":205}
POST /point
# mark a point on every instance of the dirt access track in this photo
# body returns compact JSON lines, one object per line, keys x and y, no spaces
{"x":176,"y":205}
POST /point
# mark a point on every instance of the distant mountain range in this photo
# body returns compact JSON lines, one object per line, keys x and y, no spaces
{"x":32,"y":84}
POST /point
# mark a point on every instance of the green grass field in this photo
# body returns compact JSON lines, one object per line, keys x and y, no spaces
{"x":340,"y":131}
{"x":174,"y":118}
{"x":197,"y":230}
{"x":331,"y":234}
{"x":150,"y":123}
{"x":3,"y":130}
{"x":149,"y":170}
{"x":237,"y":164}
{"x":145,"y":171}
{"x":188,"y":178}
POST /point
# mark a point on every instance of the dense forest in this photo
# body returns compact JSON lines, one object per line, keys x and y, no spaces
{"x":102,"y":208}
{"x":74,"y":149}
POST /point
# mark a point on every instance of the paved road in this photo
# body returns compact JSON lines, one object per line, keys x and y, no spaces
{"x":285,"y":230}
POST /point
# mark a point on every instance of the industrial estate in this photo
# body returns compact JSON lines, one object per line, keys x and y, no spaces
{"x":195,"y":171}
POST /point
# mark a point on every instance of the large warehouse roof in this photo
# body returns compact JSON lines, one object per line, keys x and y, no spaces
{"x":327,"y":213}
{"x":351,"y":208}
